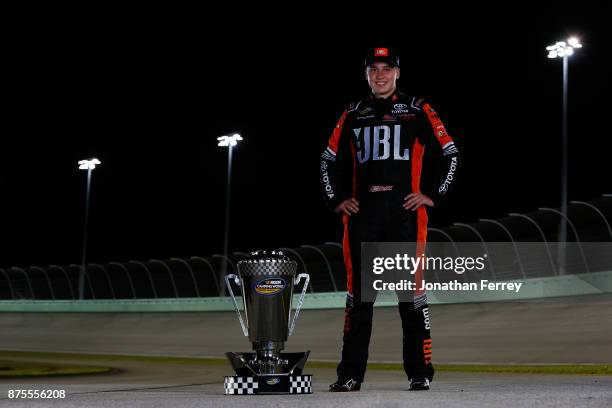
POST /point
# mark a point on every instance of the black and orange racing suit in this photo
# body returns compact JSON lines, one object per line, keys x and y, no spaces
{"x":381,"y":142}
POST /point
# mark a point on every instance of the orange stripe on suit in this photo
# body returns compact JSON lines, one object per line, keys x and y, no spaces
{"x":335,"y":137}
{"x":418,"y":150}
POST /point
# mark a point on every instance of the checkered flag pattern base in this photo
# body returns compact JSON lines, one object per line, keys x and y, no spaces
{"x":301,"y":384}
{"x":235,"y":385}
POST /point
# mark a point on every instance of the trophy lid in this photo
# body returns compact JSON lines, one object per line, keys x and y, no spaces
{"x":267,"y":256}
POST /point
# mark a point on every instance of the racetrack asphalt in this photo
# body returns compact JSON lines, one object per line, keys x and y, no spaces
{"x":562,"y":330}
{"x":140,"y":384}
{"x":568,"y":330}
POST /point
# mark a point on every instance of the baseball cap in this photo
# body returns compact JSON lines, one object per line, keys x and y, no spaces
{"x":382,"y":54}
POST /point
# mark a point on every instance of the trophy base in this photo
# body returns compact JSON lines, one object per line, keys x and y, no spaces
{"x":250,"y":381}
{"x":268,"y":384}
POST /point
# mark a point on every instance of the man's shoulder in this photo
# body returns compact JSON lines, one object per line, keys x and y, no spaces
{"x":414,"y":102}
{"x":359,"y":105}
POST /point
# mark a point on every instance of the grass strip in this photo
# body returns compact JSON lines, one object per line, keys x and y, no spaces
{"x":16,"y":369}
{"x":586,"y":369}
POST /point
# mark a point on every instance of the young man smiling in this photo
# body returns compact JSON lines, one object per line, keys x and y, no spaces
{"x":381,"y":140}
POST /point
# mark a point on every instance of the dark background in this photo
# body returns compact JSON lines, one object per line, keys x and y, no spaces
{"x":149,"y":97}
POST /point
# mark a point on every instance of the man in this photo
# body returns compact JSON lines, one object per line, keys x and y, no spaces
{"x":380,"y":142}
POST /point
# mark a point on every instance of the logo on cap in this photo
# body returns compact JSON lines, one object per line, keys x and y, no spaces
{"x":381,"y":52}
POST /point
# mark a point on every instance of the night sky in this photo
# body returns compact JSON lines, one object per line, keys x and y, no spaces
{"x":149,"y":99}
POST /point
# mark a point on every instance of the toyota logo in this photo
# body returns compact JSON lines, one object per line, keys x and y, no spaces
{"x":400,"y":106}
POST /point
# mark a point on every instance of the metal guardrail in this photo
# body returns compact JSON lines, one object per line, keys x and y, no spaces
{"x":197,"y":277}
{"x":535,"y":288}
{"x":200,"y":277}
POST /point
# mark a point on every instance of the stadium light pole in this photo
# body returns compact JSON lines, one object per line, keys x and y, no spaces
{"x":563,"y":49}
{"x":229,"y":141}
{"x":89,"y":165}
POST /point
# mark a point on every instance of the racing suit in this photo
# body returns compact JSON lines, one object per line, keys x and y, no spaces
{"x":380,"y":143}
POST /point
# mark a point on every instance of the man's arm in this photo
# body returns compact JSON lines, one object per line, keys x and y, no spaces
{"x":450,"y":156}
{"x":331,"y":167}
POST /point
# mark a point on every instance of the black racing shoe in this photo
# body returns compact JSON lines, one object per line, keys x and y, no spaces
{"x":345,"y":385}
{"x":419,"y":384}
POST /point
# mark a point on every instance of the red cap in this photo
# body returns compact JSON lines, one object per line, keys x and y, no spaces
{"x":382,"y":54}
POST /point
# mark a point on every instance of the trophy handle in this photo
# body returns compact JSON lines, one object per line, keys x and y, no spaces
{"x":299,"y":305}
{"x":229,"y":287}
